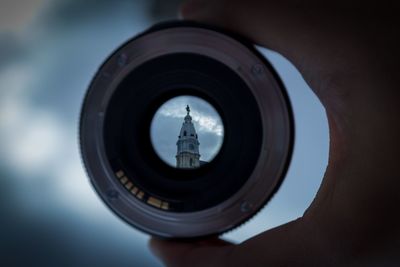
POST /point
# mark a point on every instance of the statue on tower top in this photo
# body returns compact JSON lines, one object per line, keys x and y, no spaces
{"x":188,"y":109}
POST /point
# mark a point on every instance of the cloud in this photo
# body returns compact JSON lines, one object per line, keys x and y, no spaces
{"x":44,"y":71}
{"x":29,"y":137}
{"x":202,"y":113}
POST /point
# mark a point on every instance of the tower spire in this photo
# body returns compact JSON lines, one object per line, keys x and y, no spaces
{"x":187,"y":155}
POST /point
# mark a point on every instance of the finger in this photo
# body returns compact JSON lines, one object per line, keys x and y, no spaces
{"x":281,"y":246}
{"x":209,"y":252}
{"x":264,"y":22}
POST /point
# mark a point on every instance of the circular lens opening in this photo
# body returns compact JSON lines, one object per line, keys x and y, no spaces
{"x":187,"y":132}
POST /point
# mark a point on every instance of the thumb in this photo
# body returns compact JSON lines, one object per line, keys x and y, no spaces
{"x":208,"y":252}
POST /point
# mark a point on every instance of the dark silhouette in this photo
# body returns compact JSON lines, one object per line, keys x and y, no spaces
{"x":348,"y":54}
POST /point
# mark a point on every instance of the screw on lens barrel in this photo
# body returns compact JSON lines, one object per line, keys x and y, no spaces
{"x":122,"y":59}
{"x":246,"y":206}
{"x":257,"y":69}
{"x":112,"y":194}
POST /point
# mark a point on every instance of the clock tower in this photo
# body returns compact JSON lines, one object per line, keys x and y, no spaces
{"x":187,"y":156}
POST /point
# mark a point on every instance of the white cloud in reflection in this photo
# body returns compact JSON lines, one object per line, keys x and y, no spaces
{"x":206,"y":122}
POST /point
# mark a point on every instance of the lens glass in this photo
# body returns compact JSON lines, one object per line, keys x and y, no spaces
{"x":187,"y":132}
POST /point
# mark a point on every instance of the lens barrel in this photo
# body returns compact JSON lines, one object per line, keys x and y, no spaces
{"x":174,"y":59}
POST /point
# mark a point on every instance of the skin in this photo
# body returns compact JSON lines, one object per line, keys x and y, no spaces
{"x":347,"y":53}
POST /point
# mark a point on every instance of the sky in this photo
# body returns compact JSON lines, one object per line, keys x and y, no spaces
{"x":51,"y":216}
{"x":167,"y":123}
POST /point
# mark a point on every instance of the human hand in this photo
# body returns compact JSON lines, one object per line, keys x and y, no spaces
{"x":347,"y":53}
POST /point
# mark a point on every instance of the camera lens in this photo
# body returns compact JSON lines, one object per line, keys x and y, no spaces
{"x":186,"y":131}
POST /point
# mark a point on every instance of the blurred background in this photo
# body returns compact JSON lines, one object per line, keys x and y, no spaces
{"x":50,"y":215}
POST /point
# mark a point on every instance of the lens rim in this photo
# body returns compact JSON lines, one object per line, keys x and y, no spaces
{"x":272,"y":102}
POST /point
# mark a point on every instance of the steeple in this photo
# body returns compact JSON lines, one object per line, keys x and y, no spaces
{"x":187,"y":155}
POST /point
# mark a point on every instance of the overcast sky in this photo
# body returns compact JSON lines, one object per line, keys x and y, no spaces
{"x":46,"y":63}
{"x":167,"y":124}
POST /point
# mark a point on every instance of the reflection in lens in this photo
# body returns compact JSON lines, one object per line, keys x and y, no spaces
{"x":187,"y":132}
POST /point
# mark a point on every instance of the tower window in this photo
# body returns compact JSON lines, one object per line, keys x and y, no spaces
{"x":191,"y":146}
{"x":184,"y":133}
{"x":191,"y":162}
